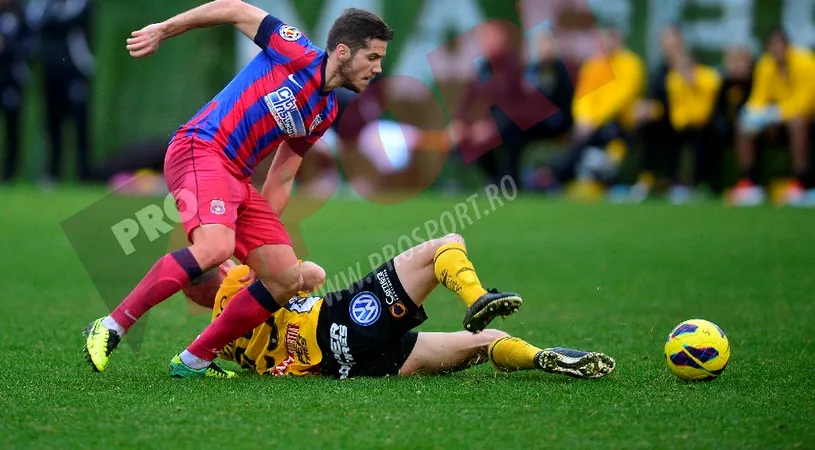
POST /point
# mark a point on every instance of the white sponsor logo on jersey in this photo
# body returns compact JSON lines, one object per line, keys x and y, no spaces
{"x":283,"y":106}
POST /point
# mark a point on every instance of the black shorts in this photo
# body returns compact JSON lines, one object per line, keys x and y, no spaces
{"x":365,"y":330}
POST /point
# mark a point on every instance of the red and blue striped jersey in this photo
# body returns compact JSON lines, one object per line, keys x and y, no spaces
{"x":277,"y":97}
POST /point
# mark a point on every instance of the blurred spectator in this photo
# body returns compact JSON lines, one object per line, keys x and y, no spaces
{"x":549,"y":75}
{"x":64,"y":28}
{"x":783,"y":94}
{"x":572,"y":23}
{"x":692,"y":91}
{"x":502,"y":66}
{"x":15,"y":49}
{"x":511,"y":81}
{"x":608,"y":88}
{"x":451,"y":66}
{"x":659,"y":139}
{"x":737,"y":81}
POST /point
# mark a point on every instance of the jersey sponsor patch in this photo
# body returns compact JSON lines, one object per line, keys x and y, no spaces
{"x":296,"y":347}
{"x":283,"y":106}
{"x":398,"y":310}
{"x":290,"y":33}
{"x":341,"y":350}
{"x":385,"y":282}
{"x":365,"y":309}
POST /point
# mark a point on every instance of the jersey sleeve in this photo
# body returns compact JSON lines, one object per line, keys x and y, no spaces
{"x":303,"y":144}
{"x":280,"y":41}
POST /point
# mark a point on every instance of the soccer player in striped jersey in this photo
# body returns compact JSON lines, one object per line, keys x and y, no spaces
{"x":282,"y":100}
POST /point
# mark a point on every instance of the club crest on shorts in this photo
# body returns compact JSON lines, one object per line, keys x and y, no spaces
{"x":218,"y":207}
{"x":290,"y":33}
{"x":398,"y":310}
{"x":364,"y":309}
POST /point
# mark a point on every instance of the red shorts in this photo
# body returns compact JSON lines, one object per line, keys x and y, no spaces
{"x":206,"y":192}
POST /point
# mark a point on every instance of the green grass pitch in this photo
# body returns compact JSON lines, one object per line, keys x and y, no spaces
{"x":600,"y":277}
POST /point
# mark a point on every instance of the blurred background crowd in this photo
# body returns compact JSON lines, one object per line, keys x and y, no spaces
{"x":622,"y":100}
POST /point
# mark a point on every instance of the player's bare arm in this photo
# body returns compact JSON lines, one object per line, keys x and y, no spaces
{"x":280,"y":178}
{"x":245,"y":17}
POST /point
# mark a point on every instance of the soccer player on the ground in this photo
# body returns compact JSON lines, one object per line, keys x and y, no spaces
{"x":365,"y":330}
{"x":283,"y":99}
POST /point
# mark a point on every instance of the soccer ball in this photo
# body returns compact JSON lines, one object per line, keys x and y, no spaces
{"x":697,"y":350}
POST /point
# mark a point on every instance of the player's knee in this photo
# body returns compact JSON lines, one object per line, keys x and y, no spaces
{"x":213,"y":245}
{"x":452,"y":238}
{"x":212,"y":254}
{"x":487,"y":337}
{"x":490,"y":335}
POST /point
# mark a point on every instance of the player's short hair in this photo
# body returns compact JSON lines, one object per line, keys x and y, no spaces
{"x":355,"y":28}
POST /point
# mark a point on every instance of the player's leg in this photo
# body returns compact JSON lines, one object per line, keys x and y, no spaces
{"x":445,"y":261}
{"x":55,"y":105}
{"x":262,"y":242}
{"x":510,"y":354}
{"x":707,"y":159}
{"x":80,"y":113}
{"x":207,"y":216}
{"x":438,"y":353}
{"x":798,"y":131}
{"x":12,"y":116}
{"x":747,"y":192}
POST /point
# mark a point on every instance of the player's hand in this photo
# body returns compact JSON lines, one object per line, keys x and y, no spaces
{"x":146,"y":41}
{"x":248,"y":278}
{"x":582,"y":130}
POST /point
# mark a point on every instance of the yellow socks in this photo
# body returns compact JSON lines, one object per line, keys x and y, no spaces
{"x":509,"y":354}
{"x":456,"y":272}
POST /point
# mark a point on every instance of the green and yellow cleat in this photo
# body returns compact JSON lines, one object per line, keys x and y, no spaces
{"x":575,"y":363}
{"x":180,"y":370}
{"x":99,"y":344}
{"x":488,"y":307}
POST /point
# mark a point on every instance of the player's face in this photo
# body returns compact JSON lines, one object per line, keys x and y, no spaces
{"x":777,"y":47}
{"x":611,"y":40}
{"x":359,"y":70}
{"x":671,"y":41}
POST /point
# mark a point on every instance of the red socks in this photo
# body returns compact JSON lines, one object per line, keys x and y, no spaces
{"x":168,"y":275}
{"x":248,"y":309}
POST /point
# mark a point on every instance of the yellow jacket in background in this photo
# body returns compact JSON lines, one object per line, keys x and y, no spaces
{"x":792,"y":91}
{"x":608,"y":88}
{"x":691,"y":104}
